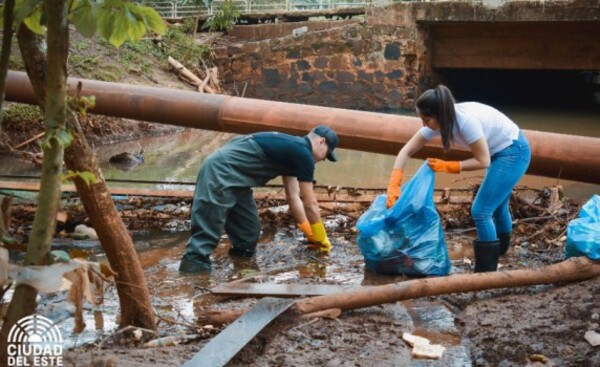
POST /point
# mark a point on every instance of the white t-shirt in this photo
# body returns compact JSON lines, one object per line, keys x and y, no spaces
{"x":475,"y":120}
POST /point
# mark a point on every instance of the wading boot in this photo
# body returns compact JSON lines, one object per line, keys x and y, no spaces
{"x":504,"y":239}
{"x":189,"y":264}
{"x":486,"y":255}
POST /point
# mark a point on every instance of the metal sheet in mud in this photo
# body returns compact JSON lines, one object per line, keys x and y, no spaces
{"x":281,"y":290}
{"x":223,"y":347}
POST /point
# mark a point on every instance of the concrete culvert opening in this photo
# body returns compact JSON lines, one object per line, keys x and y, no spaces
{"x":540,"y":88}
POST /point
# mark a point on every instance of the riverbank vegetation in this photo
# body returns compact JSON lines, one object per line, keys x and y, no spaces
{"x":144,"y":62}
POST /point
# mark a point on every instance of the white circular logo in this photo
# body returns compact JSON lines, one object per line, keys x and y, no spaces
{"x":35,"y":341}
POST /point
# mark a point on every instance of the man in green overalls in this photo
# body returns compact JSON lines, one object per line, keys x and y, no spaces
{"x":224,"y":199}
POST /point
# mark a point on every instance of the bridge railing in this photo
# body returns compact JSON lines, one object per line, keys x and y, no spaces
{"x":180,"y":9}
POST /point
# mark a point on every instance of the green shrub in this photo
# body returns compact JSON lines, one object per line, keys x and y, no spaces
{"x":17,"y":114}
{"x":224,"y":18}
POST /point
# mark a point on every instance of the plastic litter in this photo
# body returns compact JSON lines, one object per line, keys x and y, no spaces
{"x":583,"y":233}
{"x":408,"y":238}
{"x":162,"y":342}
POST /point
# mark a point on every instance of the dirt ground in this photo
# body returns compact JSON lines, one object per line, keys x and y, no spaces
{"x":528,"y":326}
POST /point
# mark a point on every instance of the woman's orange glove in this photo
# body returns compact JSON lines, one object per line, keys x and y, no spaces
{"x":393,"y":190}
{"x":438,"y":165}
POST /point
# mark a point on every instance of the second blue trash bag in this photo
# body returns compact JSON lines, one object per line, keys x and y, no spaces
{"x":408,"y":238}
{"x":583,"y":233}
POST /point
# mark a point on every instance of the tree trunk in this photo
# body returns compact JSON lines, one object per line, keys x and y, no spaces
{"x":134,"y":297}
{"x":6,"y":44}
{"x":38,"y":249}
{"x":136,"y":308}
{"x":574,"y":269}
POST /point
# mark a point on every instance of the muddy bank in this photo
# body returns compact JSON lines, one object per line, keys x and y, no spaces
{"x":505,"y":327}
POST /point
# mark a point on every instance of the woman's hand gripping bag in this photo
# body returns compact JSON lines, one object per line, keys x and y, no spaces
{"x":408,"y":238}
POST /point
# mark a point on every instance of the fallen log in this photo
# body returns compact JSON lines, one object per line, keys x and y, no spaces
{"x":185,"y":72}
{"x":571,"y":270}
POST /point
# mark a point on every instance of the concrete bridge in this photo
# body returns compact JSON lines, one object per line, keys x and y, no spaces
{"x":509,"y":51}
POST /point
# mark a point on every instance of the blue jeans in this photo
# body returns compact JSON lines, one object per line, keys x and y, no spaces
{"x":490,"y":209}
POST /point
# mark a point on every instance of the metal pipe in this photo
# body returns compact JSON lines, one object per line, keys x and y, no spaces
{"x":553,"y":155}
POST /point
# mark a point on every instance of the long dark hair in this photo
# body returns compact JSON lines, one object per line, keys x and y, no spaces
{"x":439,"y":103}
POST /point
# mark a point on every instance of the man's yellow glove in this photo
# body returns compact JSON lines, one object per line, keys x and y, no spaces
{"x":438,"y":165}
{"x":305,"y":228}
{"x":393,"y":190}
{"x":320,"y":238}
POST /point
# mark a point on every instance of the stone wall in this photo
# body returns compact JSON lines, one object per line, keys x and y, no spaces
{"x":381,"y":64}
{"x":356,"y":67}
{"x":259,"y":32}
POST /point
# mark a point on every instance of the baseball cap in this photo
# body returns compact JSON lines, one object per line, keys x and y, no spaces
{"x":330,"y":138}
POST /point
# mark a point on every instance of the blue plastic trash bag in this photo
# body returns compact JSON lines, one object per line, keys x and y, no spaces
{"x":583,"y":233}
{"x":408,"y":238}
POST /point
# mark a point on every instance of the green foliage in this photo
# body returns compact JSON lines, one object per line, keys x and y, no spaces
{"x":17,"y":114}
{"x":115,"y":20}
{"x":87,"y":177}
{"x":182,"y":47}
{"x":16,"y":62}
{"x":94,"y":67}
{"x":224,"y":18}
{"x":81,"y":104}
{"x":189,"y":25}
{"x":61,"y":135}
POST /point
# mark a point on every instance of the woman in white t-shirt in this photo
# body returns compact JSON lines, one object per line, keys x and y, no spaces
{"x":497,"y":145}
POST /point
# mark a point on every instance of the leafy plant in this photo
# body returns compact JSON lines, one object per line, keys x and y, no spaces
{"x":223,"y":19}
{"x":181,"y":47}
{"x":18,"y":113}
{"x":115,"y":20}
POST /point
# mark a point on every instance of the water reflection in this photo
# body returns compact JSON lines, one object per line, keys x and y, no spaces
{"x":178,"y":157}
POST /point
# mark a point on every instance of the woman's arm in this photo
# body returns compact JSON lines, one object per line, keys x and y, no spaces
{"x":481,"y":156}
{"x":409,"y":149}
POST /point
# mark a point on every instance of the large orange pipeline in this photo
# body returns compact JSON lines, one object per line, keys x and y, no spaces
{"x":553,"y":155}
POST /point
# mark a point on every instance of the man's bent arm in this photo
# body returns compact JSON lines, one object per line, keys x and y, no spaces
{"x":292,"y":195}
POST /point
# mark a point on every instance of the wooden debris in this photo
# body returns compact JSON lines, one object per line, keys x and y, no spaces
{"x":202,"y":85}
{"x":222,"y":348}
{"x":5,"y":215}
{"x":430,"y":351}
{"x":184,"y":72}
{"x":167,"y":341}
{"x":332,"y":313}
{"x":281,"y":290}
{"x":571,"y":270}
{"x":422,"y":347}
{"x":592,"y":337}
{"x":34,"y":138}
{"x":412,"y":340}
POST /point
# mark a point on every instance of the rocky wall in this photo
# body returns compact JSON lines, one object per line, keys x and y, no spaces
{"x":259,"y":32}
{"x":355,"y":67}
{"x":381,"y":64}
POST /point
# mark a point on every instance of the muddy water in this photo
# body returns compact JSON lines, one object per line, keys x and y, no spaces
{"x":179,"y":157}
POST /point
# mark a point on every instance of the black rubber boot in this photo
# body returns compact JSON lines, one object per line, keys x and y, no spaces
{"x":504,"y":239}
{"x":486,"y":256}
{"x":190,"y":264}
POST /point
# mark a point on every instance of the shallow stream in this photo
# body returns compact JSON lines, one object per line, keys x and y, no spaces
{"x":178,"y":157}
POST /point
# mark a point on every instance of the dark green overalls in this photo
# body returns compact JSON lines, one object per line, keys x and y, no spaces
{"x":224,"y":199}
